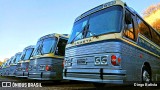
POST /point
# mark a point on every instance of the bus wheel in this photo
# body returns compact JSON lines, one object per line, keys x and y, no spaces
{"x":98,"y":85}
{"x":146,"y":75}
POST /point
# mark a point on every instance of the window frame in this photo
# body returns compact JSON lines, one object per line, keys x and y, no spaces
{"x":150,"y":35}
{"x":58,"y":44}
{"x":133,"y":24}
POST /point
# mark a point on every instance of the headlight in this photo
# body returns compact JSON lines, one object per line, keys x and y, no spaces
{"x":30,"y":68}
{"x":68,"y":62}
{"x":97,"y":61}
{"x":23,"y":69}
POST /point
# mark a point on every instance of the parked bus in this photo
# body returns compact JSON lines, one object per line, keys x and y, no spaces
{"x":8,"y":66}
{"x":111,"y":43}
{"x":23,"y":64}
{"x":1,"y":69}
{"x":4,"y":68}
{"x":13,"y":65}
{"x":47,"y":59}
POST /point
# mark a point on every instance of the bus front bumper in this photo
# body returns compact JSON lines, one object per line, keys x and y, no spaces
{"x":95,"y":75}
{"x":12,"y":73}
{"x":42,"y":75}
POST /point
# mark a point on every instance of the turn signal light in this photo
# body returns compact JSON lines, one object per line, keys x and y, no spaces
{"x":119,"y":60}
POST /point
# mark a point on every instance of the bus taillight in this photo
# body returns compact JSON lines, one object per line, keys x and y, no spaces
{"x":113,"y":60}
{"x":63,"y":63}
{"x":26,"y":69}
{"x":47,"y":68}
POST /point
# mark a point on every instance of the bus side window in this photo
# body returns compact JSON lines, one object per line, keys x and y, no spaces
{"x":155,"y":37}
{"x":60,"y":50}
{"x":143,"y":28}
{"x":129,"y":28}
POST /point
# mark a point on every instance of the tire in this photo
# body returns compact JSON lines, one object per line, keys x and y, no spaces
{"x":146,"y":75}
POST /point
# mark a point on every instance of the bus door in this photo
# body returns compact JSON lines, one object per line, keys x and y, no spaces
{"x":60,"y":49}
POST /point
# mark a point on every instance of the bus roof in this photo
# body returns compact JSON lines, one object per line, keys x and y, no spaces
{"x":18,"y":53}
{"x":30,"y":46}
{"x":100,"y":7}
{"x":54,"y":35}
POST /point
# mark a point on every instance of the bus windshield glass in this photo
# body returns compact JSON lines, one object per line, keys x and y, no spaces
{"x":28,"y":54}
{"x":17,"y":58}
{"x":49,"y":45}
{"x":23,"y":54}
{"x":102,"y":22}
{"x":37,"y":48}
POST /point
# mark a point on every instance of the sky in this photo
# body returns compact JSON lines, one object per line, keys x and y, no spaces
{"x":23,"y":22}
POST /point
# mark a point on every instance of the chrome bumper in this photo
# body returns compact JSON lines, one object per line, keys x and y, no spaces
{"x":21,"y":74}
{"x":95,"y":75}
{"x":42,"y":75}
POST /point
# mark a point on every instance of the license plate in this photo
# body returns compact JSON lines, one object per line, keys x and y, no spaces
{"x":81,"y":61}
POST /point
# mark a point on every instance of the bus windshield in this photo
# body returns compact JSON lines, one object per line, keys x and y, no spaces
{"x":23,"y":54}
{"x":37,"y":48}
{"x":102,"y":22}
{"x":49,"y":45}
{"x":17,"y":58}
{"x":8,"y":61}
{"x":28,"y":54}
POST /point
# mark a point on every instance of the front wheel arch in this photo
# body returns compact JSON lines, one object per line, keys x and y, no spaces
{"x":146,"y":68}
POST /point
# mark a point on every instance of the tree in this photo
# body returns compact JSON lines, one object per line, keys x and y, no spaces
{"x":151,"y":15}
{"x":1,"y":63}
{"x":151,"y":9}
{"x":156,"y":25}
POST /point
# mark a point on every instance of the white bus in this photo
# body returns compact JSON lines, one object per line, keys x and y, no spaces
{"x":111,"y":43}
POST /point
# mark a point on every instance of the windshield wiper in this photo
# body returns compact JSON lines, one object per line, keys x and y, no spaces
{"x":22,"y":57}
{"x":39,"y":50}
{"x":87,"y":30}
{"x":53,"y":48}
{"x":78,"y":34}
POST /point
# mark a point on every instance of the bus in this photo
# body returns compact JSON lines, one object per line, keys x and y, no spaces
{"x":47,"y":59}
{"x":8,"y":66}
{"x":23,"y":64}
{"x":13,"y":65}
{"x":111,"y":43}
{"x":1,"y":69}
{"x":4,"y":68}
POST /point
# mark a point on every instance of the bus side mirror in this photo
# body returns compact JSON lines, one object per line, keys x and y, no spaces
{"x":128,"y":18}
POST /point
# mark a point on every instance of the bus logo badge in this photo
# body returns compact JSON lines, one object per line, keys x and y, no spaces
{"x":6,"y":84}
